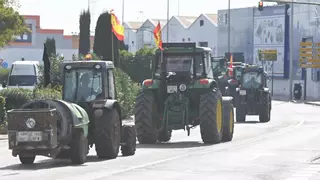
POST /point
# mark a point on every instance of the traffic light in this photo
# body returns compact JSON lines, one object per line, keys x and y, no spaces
{"x":260,"y":6}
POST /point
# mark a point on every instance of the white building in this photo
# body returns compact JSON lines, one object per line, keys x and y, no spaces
{"x":201,"y":29}
{"x":204,"y":31}
{"x":130,"y":34}
{"x":145,"y":33}
{"x":178,"y":29}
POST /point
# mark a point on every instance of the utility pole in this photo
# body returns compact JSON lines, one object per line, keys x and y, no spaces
{"x":122,"y":12}
{"x":291,"y":54}
{"x":229,"y":29}
{"x":168,"y":9}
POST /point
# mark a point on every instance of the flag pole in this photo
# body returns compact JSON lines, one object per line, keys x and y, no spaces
{"x":112,"y":54}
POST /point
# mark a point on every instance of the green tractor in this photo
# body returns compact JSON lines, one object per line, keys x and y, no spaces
{"x":88,"y":115}
{"x":182,"y":94}
{"x":234,"y":80}
{"x":220,"y":72}
{"x":253,"y":94}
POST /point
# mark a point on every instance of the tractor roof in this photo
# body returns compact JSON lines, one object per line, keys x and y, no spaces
{"x":182,"y":48}
{"x":89,"y":64}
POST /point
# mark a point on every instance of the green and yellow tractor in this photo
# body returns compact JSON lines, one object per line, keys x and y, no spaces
{"x":182,"y":94}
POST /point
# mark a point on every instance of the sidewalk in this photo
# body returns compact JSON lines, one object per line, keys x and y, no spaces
{"x":3,"y":137}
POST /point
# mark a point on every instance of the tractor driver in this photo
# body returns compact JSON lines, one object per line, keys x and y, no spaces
{"x":84,"y":91}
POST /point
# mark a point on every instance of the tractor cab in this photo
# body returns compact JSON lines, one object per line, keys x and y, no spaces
{"x":85,"y":81}
{"x":219,"y":66}
{"x":182,"y":62}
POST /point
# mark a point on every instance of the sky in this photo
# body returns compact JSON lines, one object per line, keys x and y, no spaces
{"x":64,"y":14}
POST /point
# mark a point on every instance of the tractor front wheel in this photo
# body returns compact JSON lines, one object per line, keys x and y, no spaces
{"x":211,"y":120}
{"x":145,"y":114}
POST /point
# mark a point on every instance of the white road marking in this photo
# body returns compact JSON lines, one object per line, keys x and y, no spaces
{"x":306,"y":173}
{"x":256,"y":156}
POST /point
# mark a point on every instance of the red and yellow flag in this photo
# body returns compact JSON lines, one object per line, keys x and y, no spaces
{"x":157,"y":36}
{"x":231,"y":66}
{"x":117,"y":28}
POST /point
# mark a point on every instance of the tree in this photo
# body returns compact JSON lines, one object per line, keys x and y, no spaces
{"x":46,"y":64}
{"x":84,"y":35}
{"x":51,"y":47}
{"x":103,"y":39}
{"x":11,"y":23}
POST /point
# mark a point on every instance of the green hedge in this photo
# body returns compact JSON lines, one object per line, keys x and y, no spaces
{"x":3,"y":120}
{"x":15,"y":97}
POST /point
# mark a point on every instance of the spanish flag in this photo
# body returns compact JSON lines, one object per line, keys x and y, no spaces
{"x":231,"y":65}
{"x":157,"y":36}
{"x":117,"y":28}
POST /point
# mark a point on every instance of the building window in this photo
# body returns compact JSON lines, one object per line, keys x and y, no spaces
{"x":201,"y":22}
{"x":203,"y":44}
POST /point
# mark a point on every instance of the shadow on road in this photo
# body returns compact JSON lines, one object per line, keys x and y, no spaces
{"x":49,"y":164}
{"x":248,"y":122}
{"x":173,"y":145}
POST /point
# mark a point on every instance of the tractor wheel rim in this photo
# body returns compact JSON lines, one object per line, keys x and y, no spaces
{"x":219,"y":115}
{"x":231,"y":121}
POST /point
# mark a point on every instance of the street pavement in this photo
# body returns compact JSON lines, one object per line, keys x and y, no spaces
{"x":286,"y":148}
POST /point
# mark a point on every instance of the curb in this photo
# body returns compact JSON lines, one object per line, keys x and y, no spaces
{"x":310,"y":103}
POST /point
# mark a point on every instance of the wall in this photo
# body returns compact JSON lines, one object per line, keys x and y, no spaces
{"x":205,"y":33}
{"x":176,"y":31}
{"x":241,"y":31}
{"x":130,"y":38}
{"x":145,"y":35}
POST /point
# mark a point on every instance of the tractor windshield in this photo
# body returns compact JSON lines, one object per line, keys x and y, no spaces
{"x":181,"y":63}
{"x":82,"y":85}
{"x":178,"y":63}
{"x":238,"y":72}
{"x":251,"y":80}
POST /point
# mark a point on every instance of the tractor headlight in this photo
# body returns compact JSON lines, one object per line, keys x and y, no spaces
{"x":68,"y":67}
{"x":182,"y":87}
{"x":98,"y":66}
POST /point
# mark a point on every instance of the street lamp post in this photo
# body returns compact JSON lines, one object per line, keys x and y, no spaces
{"x":229,"y":38}
{"x":291,"y":54}
{"x":168,"y":8}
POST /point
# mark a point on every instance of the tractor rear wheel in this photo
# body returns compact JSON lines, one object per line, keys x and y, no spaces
{"x":228,"y":120}
{"x":145,"y":114}
{"x":211,"y":120}
{"x":240,"y":111}
{"x":165,"y":136}
{"x":107,"y":134}
{"x":79,"y":148}
{"x":128,"y":138}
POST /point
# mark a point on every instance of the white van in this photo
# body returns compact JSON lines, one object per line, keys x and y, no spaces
{"x":24,"y":74}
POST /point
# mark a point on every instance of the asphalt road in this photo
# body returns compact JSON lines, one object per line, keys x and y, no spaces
{"x":286,"y":148}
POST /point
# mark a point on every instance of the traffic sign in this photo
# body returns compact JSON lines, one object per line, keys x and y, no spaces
{"x":268,"y":55}
{"x":305,"y":43}
{"x":4,"y":65}
{"x":310,"y":65}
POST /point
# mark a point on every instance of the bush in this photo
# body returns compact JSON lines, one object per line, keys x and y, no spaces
{"x":126,"y":92}
{"x":18,"y":96}
{"x":3,"y":120}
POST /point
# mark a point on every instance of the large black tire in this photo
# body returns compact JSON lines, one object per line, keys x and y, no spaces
{"x":107,"y":134}
{"x":145,"y":114}
{"x":228,"y":120}
{"x":129,"y":140}
{"x":27,"y":159}
{"x":79,"y":148}
{"x":240,"y":111}
{"x":211,"y":120}
{"x":164,"y":136}
{"x":264,"y":115}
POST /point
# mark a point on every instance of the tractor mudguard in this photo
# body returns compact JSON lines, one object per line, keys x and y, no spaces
{"x":80,"y":117}
{"x":109,"y":104}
